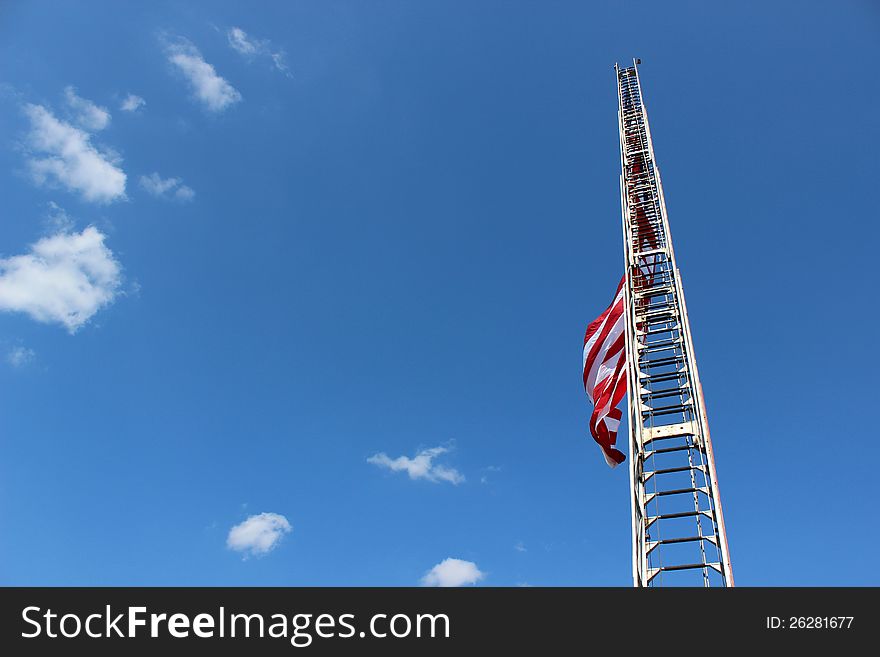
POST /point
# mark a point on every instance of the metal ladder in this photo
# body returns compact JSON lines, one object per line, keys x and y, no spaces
{"x":678,"y":527}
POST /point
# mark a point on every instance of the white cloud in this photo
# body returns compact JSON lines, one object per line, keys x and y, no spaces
{"x":132,"y":103}
{"x":156,"y":185}
{"x":258,"y":535}
{"x":65,"y":278}
{"x":184,"y":193}
{"x":278,"y":58}
{"x":65,"y":154}
{"x":520,"y":547}
{"x":453,"y":572}
{"x":20,"y":356}
{"x":421,"y":466}
{"x":250,"y":47}
{"x":167,"y":187}
{"x":86,"y":114}
{"x":239,"y":41}
{"x":212,"y":90}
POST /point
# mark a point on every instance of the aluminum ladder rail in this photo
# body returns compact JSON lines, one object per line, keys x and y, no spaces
{"x":677,"y":522}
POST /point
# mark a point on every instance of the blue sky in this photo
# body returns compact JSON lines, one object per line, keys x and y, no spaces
{"x":355,"y":229}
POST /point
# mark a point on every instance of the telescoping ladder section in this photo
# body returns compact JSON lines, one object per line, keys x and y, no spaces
{"x":678,"y":527}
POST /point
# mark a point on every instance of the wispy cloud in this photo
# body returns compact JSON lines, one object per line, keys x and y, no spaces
{"x":132,"y":103}
{"x":64,"y":278}
{"x":213,"y":91}
{"x":86,"y":114}
{"x":245,"y":45}
{"x":169,"y":188}
{"x":64,"y":154}
{"x":258,"y":535}
{"x":519,"y":546}
{"x":239,"y":41}
{"x":453,"y":572}
{"x":57,"y":220}
{"x":19,"y":356}
{"x":421,"y":466}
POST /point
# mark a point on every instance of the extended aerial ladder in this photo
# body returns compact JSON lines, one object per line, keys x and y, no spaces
{"x":677,"y":521}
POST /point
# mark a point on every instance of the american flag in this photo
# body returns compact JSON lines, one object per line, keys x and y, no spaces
{"x":605,"y":375}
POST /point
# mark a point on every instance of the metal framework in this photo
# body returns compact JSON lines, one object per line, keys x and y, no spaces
{"x":677,"y":522}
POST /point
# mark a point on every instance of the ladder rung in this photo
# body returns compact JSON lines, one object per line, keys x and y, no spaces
{"x":660,"y":362}
{"x":650,"y":520}
{"x":665,"y":393}
{"x":672,"y":516}
{"x":649,"y":252}
{"x":665,"y":314}
{"x":651,"y":395}
{"x":657,"y":290}
{"x":662,"y":304}
{"x":684,"y":539}
{"x":689,"y":566}
{"x":656,"y":312}
{"x":670,"y":437}
{"x":665,"y":345}
{"x":658,"y":345}
{"x":653,"y":572}
{"x":662,"y":378}
{"x":666,"y":342}
{"x":678,"y":491}
{"x":667,"y":410}
{"x":654,"y":321}
{"x":668,"y":450}
{"x":655,"y":391}
{"x":684,"y":468}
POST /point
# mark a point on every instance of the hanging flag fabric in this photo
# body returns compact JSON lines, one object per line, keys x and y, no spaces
{"x":645,"y":224}
{"x":605,"y":375}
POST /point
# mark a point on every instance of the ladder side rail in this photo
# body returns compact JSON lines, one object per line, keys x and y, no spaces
{"x":639,"y":566}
